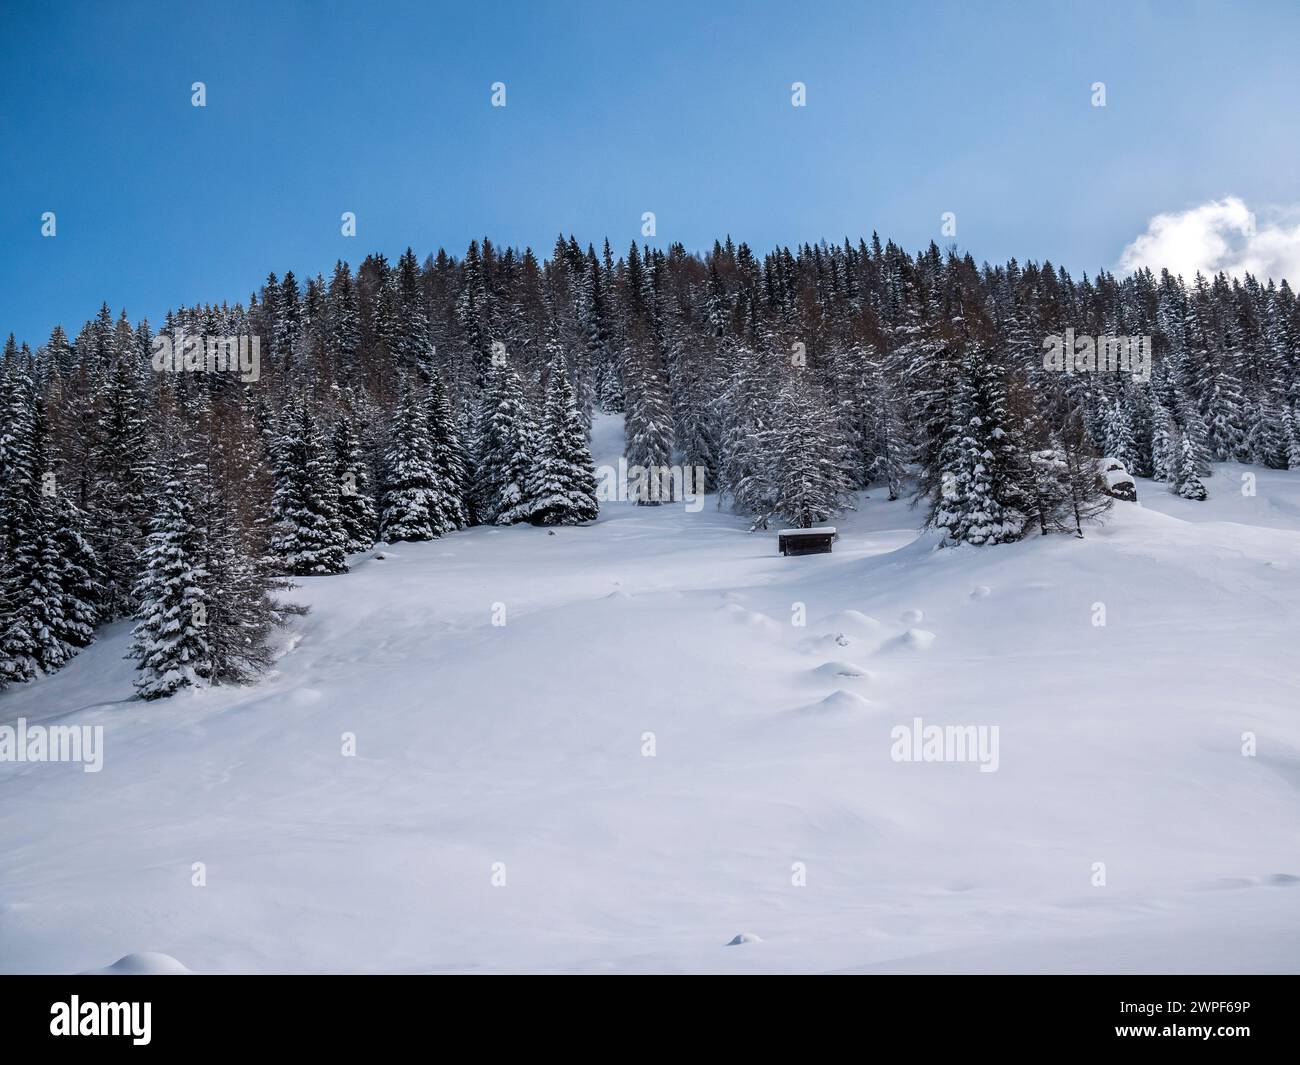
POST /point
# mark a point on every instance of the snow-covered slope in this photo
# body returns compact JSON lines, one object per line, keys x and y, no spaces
{"x":522,"y":744}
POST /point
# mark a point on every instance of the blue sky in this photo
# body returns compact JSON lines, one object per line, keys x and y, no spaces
{"x":683,"y":109}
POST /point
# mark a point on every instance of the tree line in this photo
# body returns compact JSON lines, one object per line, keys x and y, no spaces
{"x":404,"y":401}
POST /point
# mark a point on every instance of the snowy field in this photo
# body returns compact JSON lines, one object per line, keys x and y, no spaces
{"x":522,"y":744}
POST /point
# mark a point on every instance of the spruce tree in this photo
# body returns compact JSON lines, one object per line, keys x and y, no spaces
{"x":449,"y":458}
{"x":889,"y":445}
{"x":981,"y":501}
{"x":309,"y":537}
{"x":506,"y":452}
{"x":1188,"y":483}
{"x":33,"y":641}
{"x":415,"y":497}
{"x":123,"y":478}
{"x":344,"y":318}
{"x":1223,"y":414}
{"x":1119,"y":437}
{"x":1290,"y":438}
{"x":648,"y":426}
{"x":809,"y":481}
{"x":79,"y":576}
{"x":413,"y":339}
{"x":170,"y":643}
{"x":747,"y":407}
{"x":1164,"y":459}
{"x":240,"y":608}
{"x":563,"y":487}
{"x":356,"y":507}
{"x":34,"y":627}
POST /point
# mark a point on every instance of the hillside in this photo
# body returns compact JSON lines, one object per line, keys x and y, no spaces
{"x":522,"y":744}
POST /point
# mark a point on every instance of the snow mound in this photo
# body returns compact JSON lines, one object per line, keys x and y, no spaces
{"x":753,"y":618}
{"x":980,"y":591}
{"x":911,"y":640}
{"x":838,"y":702}
{"x":912,"y":617}
{"x":838,"y":671}
{"x":743,"y":937}
{"x":856,"y":623}
{"x":142,"y":963}
{"x":828,"y":642}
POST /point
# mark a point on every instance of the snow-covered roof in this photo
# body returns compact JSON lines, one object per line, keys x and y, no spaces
{"x":808,"y":532}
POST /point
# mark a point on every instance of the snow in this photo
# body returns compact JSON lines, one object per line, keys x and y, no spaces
{"x":144,"y":963}
{"x":822,"y":530}
{"x":501,"y":813}
{"x":1117,"y":477}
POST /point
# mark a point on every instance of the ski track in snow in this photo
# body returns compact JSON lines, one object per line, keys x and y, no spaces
{"x":522,"y":744}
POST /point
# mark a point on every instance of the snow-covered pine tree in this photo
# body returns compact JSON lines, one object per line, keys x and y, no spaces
{"x":747,"y":406}
{"x":1164,"y":463}
{"x":122,"y":477}
{"x":1264,"y":439}
{"x":506,"y":450}
{"x":289,"y":321}
{"x":468,"y":418}
{"x":169,"y":643}
{"x":32,"y":642}
{"x":240,"y":609}
{"x":308,"y":537}
{"x":1187,"y":455}
{"x":1118,"y":434}
{"x":856,"y":399}
{"x":1140,"y":418}
{"x":386,"y":327}
{"x":415,"y":499}
{"x":33,"y":624}
{"x":1223,"y":414}
{"x":356,"y":505}
{"x":79,"y":570}
{"x":563,"y":485}
{"x":449,"y":457}
{"x":1290,"y":437}
{"x":890,"y":442}
{"x":982,"y":497}
{"x":413,"y":339}
{"x":472,"y":313}
{"x":695,"y":422}
{"x":344,"y":317}
{"x":809,"y":479}
{"x":1191,"y":427}
{"x":648,"y":427}
{"x":19,"y":473}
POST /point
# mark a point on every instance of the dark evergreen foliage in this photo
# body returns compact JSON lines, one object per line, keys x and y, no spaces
{"x":462,"y":388}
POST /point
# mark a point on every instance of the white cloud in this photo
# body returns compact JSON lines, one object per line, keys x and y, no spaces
{"x":1222,"y":235}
